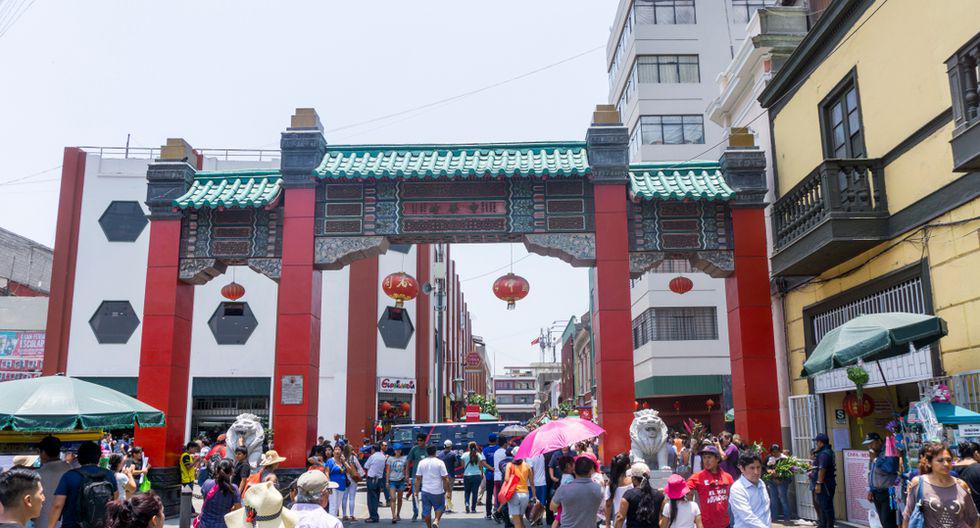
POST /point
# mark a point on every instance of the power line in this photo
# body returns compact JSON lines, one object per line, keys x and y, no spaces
{"x":14,"y":18}
{"x":469,"y":92}
{"x":21,"y":178}
{"x":495,"y":270}
{"x":45,"y":180}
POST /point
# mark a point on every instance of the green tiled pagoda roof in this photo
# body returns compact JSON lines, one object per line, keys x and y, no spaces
{"x":506,"y":160}
{"x":695,"y":180}
{"x":228,"y":189}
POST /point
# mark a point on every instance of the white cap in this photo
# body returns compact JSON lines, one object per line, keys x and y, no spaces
{"x":448,"y":443}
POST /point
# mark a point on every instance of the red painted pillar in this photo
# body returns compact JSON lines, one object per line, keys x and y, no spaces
{"x":63,"y":265}
{"x":750,"y":334}
{"x":423,"y":316}
{"x":165,"y":348}
{"x":294,"y":416}
{"x":612,"y":324}
{"x":362,"y":348}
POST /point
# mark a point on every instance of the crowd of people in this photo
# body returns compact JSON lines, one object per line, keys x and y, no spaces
{"x":714,"y":483}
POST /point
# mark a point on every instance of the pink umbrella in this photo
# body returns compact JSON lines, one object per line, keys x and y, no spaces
{"x":556,"y":435}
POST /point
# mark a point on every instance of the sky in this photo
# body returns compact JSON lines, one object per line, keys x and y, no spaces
{"x":228,"y":74}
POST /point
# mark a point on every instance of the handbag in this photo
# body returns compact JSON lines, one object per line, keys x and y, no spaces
{"x":145,"y":484}
{"x":508,"y":488}
{"x":917,"y":519}
{"x":211,"y":492}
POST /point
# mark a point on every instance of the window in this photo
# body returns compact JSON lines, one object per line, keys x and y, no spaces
{"x":742,"y":10}
{"x":667,"y":69}
{"x":840,"y":115}
{"x":114,"y":322}
{"x":232,"y":323}
{"x":690,"y":323}
{"x":672,"y":129}
{"x":123,"y":221}
{"x":664,"y":11}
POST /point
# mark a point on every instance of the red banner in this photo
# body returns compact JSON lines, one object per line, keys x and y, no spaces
{"x":585,"y":413}
{"x":472,"y":413}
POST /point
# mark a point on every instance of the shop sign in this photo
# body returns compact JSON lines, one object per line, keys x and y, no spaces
{"x":968,"y":431}
{"x":585,"y":413}
{"x":292,"y":390}
{"x":840,"y":416}
{"x":856,"y":485}
{"x":473,"y":359}
{"x":21,"y":354}
{"x":396,"y":385}
{"x":472,"y":413}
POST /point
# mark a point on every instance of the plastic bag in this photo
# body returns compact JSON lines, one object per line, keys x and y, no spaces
{"x":873,"y":520}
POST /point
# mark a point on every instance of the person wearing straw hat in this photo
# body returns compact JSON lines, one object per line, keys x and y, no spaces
{"x":261,"y":508}
{"x":267,"y":465}
{"x":310,"y":496}
{"x":679,"y":512}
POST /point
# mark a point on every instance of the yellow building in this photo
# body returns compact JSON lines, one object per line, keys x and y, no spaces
{"x":876,"y":144}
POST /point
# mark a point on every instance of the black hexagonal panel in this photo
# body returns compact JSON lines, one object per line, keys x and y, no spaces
{"x":232,"y":323}
{"x":123,"y":221}
{"x":114,"y":322}
{"x":396,"y":327}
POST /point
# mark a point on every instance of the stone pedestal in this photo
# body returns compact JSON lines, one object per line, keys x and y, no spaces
{"x":166,"y":484}
{"x":658,"y":478}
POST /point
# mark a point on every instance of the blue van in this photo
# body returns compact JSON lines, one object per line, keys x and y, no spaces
{"x":461,"y":433}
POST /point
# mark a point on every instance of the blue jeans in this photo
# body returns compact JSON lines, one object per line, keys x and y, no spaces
{"x":374,"y":485}
{"x":779,"y":498}
{"x":471,"y":488}
{"x":415,"y":497}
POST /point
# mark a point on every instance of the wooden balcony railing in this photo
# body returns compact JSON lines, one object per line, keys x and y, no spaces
{"x":962,"y":68}
{"x":836,"y":188}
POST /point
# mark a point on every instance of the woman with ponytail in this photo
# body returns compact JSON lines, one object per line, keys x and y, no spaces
{"x":475,"y":463}
{"x":140,"y":511}
{"x":640,"y":507}
{"x":619,"y":483}
{"x":220,"y":496}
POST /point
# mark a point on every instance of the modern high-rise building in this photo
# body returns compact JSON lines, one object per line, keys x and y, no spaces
{"x":662,"y":58}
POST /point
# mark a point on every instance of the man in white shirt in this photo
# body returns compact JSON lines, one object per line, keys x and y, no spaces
{"x":375,"y":468}
{"x":311,"y":495}
{"x":433,"y":479}
{"x":51,"y":470}
{"x":748,"y":497}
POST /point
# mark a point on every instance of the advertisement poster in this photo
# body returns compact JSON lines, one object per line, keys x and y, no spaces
{"x":856,"y":484}
{"x":21,"y":354}
{"x":396,"y":385}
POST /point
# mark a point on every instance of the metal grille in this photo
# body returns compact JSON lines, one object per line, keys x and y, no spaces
{"x":805,"y":421}
{"x":907,"y":296}
{"x":690,"y":323}
{"x":966,"y":390}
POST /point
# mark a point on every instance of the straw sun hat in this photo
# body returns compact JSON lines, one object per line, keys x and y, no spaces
{"x":261,"y":508}
{"x":271,"y":457}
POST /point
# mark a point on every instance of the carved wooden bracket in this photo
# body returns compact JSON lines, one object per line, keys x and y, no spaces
{"x":577,"y":249}
{"x":333,"y":253}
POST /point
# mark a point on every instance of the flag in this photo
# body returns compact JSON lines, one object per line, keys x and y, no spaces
{"x":536,"y":341}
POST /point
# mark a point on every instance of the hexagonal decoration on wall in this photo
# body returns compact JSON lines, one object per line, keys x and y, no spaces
{"x":232,"y":323}
{"x":114,"y":322}
{"x":123,"y":221}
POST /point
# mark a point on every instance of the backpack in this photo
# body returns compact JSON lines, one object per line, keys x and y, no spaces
{"x":214,"y":457}
{"x":93,"y":495}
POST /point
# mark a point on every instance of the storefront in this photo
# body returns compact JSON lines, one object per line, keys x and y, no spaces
{"x":395,"y":401}
{"x":216,"y":402}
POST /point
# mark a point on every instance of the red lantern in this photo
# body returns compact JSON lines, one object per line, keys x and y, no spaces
{"x":680,"y":285}
{"x":710,"y":403}
{"x":233,"y":291}
{"x":858,"y":409}
{"x":377,"y":428}
{"x":406,"y":407}
{"x":511,"y":288}
{"x":401,"y":287}
{"x":636,"y":405}
{"x":677,"y":405}
{"x":646,"y":405}
{"x":385,"y":407}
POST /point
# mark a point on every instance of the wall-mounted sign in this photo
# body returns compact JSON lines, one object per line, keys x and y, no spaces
{"x":472,"y":359}
{"x":396,"y":385}
{"x":21,"y":354}
{"x":840,"y":416}
{"x":292,"y":390}
{"x":472,"y":413}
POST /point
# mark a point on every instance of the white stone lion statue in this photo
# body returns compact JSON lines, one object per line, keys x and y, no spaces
{"x":246,"y":432}
{"x":648,"y":434}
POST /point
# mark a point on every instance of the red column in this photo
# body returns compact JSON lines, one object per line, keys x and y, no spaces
{"x":165,"y":348}
{"x":362,"y":348}
{"x":750,"y":338}
{"x":63,"y":265}
{"x":297,"y":330}
{"x":613,"y":329}
{"x":423,"y":316}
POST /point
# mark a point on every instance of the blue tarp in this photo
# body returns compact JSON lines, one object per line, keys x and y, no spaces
{"x":949,"y":414}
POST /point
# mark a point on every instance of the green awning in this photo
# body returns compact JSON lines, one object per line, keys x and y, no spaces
{"x":124,"y":385}
{"x":690,"y":180}
{"x":691,"y":385}
{"x":231,"y":387}
{"x":230,"y":189}
{"x":949,"y":414}
{"x":508,"y":160}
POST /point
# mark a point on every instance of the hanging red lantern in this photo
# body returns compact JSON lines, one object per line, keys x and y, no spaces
{"x":710,"y":403}
{"x":377,"y":428}
{"x":233,"y":291}
{"x":858,"y":409}
{"x":385,"y":407}
{"x":677,"y":405}
{"x":680,"y":285}
{"x":646,"y":405}
{"x":636,"y":405}
{"x":401,"y":287}
{"x":511,"y":288}
{"x":406,"y":407}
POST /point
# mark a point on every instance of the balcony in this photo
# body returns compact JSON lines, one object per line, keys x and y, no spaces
{"x":836,"y":212}
{"x":962,"y":70}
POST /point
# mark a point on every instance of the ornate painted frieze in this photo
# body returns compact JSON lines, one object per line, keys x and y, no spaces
{"x":676,"y":226}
